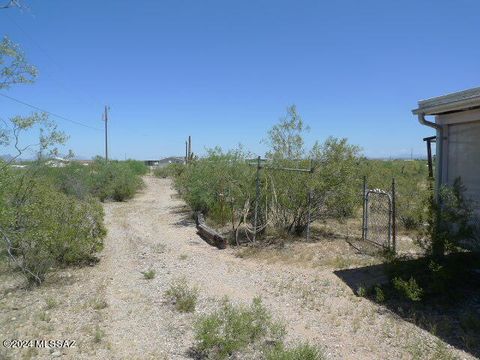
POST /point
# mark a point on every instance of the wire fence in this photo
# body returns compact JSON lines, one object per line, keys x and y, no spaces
{"x":379,"y":216}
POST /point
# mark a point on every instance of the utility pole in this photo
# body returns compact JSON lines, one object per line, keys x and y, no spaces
{"x":189,"y":147}
{"x":105,"y":118}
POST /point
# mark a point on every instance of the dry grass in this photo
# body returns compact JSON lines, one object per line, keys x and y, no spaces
{"x":335,"y":254}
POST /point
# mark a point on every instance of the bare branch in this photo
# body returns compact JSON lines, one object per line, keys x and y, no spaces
{"x":26,"y":272}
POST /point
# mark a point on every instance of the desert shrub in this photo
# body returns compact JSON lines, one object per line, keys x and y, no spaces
{"x":162,"y":172}
{"x":113,"y":180}
{"x":412,"y":186}
{"x":379,"y":294}
{"x":221,"y":186}
{"x":233,"y":328}
{"x":333,"y":183}
{"x":118,"y":181}
{"x":299,"y":352}
{"x":451,"y":222}
{"x":136,"y":166}
{"x":425,"y":279}
{"x":410,"y":289}
{"x":71,"y":180}
{"x":173,"y":170}
{"x":182,"y":296}
{"x":45,"y":228}
{"x":149,"y":274}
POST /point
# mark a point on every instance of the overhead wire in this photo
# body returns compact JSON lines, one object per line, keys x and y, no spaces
{"x":50,"y":113}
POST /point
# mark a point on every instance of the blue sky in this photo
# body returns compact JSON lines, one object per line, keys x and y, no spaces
{"x":224,"y":71}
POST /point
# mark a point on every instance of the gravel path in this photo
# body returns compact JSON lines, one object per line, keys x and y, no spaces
{"x":154,"y":231}
{"x":130,"y":319}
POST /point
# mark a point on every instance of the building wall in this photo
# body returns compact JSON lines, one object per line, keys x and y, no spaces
{"x":461,"y":151}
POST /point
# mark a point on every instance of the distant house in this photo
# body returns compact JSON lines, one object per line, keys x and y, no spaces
{"x":151,"y":162}
{"x":57,"y":162}
{"x":165,"y":161}
{"x":456,"y":119}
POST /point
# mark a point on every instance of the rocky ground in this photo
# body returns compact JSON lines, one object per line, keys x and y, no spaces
{"x":113,"y":312}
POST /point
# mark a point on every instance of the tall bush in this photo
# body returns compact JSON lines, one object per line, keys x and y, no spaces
{"x":42,"y":227}
{"x":451,"y":222}
{"x":333,"y":183}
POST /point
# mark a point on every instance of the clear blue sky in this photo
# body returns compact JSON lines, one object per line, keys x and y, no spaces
{"x":224,"y":71}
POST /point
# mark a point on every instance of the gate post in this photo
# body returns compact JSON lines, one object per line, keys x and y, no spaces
{"x":364,"y":200}
{"x":257,"y":199}
{"x":309,"y":213}
{"x":394,"y":217}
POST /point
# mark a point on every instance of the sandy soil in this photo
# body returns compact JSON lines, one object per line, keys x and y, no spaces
{"x":112,"y":312}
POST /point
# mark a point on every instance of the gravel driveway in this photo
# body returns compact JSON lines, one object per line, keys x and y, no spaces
{"x":125,"y":316}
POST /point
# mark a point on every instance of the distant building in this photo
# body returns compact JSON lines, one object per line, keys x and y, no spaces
{"x":57,"y":162}
{"x":165,"y":161}
{"x":457,"y":124}
{"x":152,"y":162}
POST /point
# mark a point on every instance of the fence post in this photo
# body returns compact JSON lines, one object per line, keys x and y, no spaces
{"x":364,"y":214}
{"x":257,"y":199}
{"x":309,"y":213}
{"x":394,"y":217}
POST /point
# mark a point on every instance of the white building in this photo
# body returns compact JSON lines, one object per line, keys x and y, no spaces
{"x":456,"y":119}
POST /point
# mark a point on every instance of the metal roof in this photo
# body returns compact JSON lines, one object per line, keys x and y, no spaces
{"x":459,"y":101}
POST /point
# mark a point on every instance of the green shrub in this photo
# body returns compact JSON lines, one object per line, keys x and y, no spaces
{"x":136,"y":166}
{"x":46,"y":228}
{"x":412,"y":186}
{"x":233,"y":328}
{"x":184,"y":298}
{"x":113,"y":180}
{"x":173,"y":170}
{"x":410,"y":289}
{"x":451,"y":222}
{"x":299,"y":352}
{"x":149,"y":274}
{"x":362,"y":291}
{"x":379,"y":294}
{"x":162,"y":172}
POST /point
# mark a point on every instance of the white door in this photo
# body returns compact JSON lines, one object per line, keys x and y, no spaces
{"x":464,"y":157}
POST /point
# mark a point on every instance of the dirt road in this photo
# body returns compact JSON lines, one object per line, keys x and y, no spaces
{"x":114,"y":313}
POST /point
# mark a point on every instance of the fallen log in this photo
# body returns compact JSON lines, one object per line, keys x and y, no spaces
{"x":208,"y":234}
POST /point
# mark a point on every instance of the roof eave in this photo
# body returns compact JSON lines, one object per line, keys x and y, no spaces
{"x":455,"y":106}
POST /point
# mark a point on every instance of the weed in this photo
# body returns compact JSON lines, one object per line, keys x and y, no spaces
{"x":233,"y":328}
{"x":149,"y":274}
{"x":379,"y":295}
{"x":50,"y":303}
{"x":299,"y":352}
{"x":441,"y":352}
{"x":99,"y":304}
{"x":183,"y":257}
{"x":184,"y":298}
{"x":409,"y":289}
{"x":159,"y":248}
{"x":44,"y":316}
{"x":98,"y":335}
{"x":361,"y":291}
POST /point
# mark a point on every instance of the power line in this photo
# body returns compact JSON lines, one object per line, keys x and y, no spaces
{"x":91,"y":98}
{"x":50,"y":113}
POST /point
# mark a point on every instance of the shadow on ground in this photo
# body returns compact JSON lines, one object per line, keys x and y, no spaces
{"x":453,"y":318}
{"x":185,"y":214}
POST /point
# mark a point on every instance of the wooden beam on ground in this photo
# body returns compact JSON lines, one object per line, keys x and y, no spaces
{"x":208,"y":234}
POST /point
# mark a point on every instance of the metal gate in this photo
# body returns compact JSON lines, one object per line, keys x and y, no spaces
{"x":379,"y":217}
